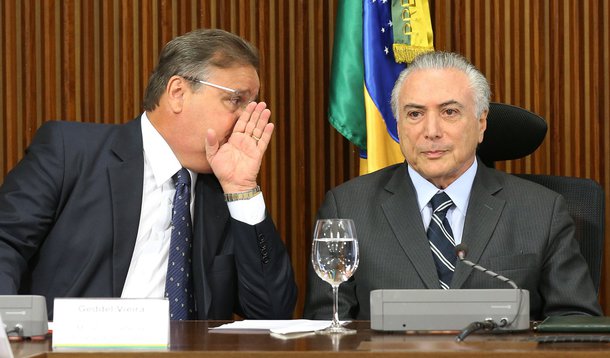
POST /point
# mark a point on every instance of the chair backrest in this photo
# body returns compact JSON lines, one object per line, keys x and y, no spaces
{"x":586,"y":205}
{"x":513,"y":133}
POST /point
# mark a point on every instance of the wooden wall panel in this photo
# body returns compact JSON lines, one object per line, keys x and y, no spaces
{"x":89,"y":60}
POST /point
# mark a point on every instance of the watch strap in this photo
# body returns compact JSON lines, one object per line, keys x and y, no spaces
{"x":244,"y":195}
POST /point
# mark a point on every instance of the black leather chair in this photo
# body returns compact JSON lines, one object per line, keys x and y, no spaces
{"x":513,"y":133}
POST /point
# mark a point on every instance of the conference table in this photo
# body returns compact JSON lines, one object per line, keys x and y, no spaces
{"x":193,"y":338}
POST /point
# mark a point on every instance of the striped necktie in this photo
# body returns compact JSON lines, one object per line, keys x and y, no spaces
{"x":179,"y":281}
{"x":441,"y":239}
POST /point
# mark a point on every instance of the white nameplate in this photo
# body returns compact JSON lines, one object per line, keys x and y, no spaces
{"x":111,"y":323}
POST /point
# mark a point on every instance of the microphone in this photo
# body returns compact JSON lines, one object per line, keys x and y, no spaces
{"x":461,"y":251}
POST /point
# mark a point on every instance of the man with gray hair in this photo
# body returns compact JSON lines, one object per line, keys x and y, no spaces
{"x":409,"y":217}
{"x":166,"y":205}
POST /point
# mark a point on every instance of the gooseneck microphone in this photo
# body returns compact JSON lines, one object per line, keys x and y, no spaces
{"x":461,"y":251}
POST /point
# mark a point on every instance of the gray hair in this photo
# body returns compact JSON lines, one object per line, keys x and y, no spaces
{"x":446,"y":60}
{"x":193,"y":55}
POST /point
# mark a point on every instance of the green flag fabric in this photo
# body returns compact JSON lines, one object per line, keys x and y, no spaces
{"x":346,"y":108}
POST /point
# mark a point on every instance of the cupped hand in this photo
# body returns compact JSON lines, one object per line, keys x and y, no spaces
{"x":237,"y":162}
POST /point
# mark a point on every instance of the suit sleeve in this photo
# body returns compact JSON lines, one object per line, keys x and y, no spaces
{"x":566,"y":284}
{"x":319,"y":299}
{"x":29,"y":201}
{"x":265,"y":280}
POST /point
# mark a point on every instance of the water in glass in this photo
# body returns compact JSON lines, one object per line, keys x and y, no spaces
{"x":335,"y":258}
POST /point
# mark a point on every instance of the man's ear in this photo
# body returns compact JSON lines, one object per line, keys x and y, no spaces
{"x":482,"y":125}
{"x":398,"y":129}
{"x":175,"y":92}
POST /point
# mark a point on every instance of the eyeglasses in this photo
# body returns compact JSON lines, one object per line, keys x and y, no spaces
{"x":237,"y":100}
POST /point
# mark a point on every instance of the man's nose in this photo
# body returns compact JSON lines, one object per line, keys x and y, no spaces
{"x":432,"y":126}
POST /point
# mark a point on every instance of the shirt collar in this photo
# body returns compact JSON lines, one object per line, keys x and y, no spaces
{"x":158,"y":153}
{"x":458,"y":191}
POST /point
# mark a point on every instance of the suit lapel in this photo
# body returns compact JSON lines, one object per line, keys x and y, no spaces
{"x":211,"y":215}
{"x":125,"y":177}
{"x":484,"y":210}
{"x":402,"y":211}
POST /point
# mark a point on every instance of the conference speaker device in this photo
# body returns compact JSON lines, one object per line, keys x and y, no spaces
{"x":24,"y":316}
{"x":448,"y":310}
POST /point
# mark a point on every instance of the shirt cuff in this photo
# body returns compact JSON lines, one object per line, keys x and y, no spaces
{"x":250,"y":211}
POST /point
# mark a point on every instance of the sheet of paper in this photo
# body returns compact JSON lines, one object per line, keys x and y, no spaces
{"x":274,"y":326}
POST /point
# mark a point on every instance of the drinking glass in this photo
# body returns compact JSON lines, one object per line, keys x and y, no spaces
{"x":334,"y":255}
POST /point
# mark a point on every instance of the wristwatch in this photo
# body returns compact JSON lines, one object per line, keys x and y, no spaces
{"x":244,"y":195}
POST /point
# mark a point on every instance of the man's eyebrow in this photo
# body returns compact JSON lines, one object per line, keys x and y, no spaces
{"x":413,"y":105}
{"x":451,"y":102}
{"x":421,"y":106}
{"x":245,"y":92}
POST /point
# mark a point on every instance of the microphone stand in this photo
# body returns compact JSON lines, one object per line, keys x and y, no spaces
{"x":488,"y":324}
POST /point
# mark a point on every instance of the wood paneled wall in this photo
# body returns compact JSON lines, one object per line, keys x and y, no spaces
{"x":89,"y":60}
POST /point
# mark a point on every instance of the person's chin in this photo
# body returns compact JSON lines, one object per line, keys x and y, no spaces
{"x":202,"y":166}
{"x":434,"y":160}
{"x":435,"y":169}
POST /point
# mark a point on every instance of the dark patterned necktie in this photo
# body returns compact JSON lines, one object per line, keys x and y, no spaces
{"x":179,"y":281}
{"x":441,"y":239}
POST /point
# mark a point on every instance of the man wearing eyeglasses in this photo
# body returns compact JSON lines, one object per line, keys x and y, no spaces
{"x":106,"y":210}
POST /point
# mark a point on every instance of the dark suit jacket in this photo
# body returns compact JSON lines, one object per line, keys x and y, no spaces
{"x":514,"y":227}
{"x":69,"y":214}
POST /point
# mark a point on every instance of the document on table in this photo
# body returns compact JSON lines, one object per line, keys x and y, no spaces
{"x":274,"y":326}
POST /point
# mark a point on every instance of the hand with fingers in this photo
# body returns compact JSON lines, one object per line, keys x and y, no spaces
{"x":237,"y":162}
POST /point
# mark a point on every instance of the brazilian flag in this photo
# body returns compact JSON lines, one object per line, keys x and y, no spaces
{"x":374,"y":41}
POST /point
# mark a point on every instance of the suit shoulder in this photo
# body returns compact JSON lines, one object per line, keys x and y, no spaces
{"x":76,"y":134}
{"x":370,"y":181}
{"x":75,"y":128}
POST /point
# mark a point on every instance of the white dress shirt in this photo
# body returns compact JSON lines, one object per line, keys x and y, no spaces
{"x":148,"y":267}
{"x":458,"y":191}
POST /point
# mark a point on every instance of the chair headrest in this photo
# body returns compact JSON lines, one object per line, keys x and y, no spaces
{"x":512,"y":133}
